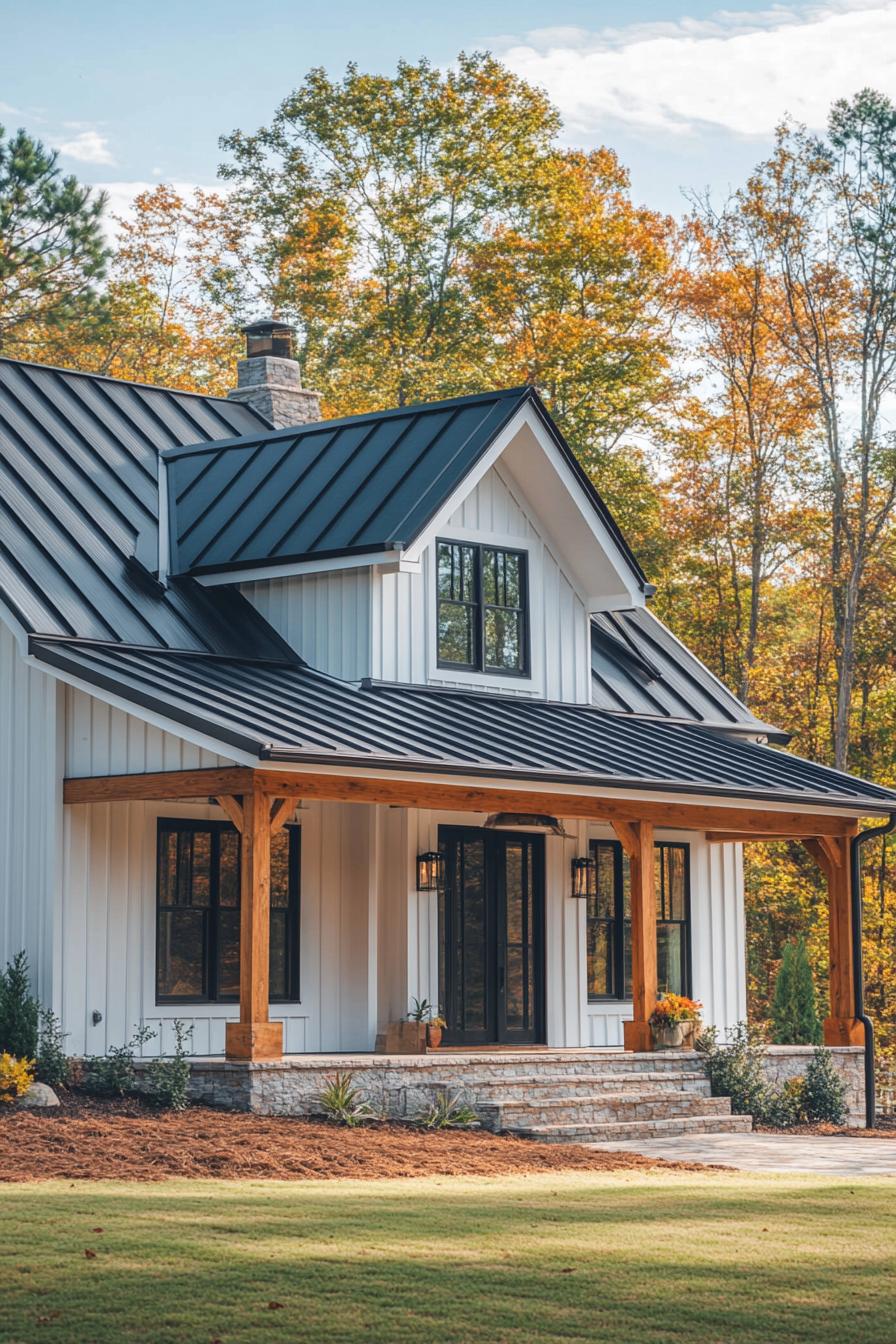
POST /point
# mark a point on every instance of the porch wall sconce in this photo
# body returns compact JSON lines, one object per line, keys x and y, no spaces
{"x":584,"y":878}
{"x":430,"y":871}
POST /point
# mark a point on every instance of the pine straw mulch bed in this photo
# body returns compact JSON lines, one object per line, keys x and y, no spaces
{"x":90,"y":1139}
{"x":886,"y":1129}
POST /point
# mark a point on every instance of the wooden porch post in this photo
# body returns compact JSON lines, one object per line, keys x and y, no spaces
{"x":636,"y":838}
{"x":254,"y":1036}
{"x":832,"y":855}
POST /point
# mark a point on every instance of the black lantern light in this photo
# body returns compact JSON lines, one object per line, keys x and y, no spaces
{"x":430,"y":871}
{"x":269,"y":339}
{"x":584,"y":878}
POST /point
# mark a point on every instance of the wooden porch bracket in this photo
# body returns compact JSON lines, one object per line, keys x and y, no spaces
{"x":233,"y":808}
{"x":831,"y":854}
{"x":281,"y":811}
{"x":636,"y":838}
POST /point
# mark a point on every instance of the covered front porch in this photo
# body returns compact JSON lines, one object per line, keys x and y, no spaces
{"x":362,"y":833}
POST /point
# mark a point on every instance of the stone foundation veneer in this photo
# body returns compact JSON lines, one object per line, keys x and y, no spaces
{"x":790,"y":1061}
{"x":401,"y":1085}
{"x":396,"y":1085}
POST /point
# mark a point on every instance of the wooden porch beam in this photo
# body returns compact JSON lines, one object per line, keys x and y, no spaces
{"x":488,"y":798}
{"x":230,"y":779}
{"x":742,"y":821}
{"x":627,"y":835}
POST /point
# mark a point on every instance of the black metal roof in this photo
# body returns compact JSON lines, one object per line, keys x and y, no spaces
{"x":288,"y":712}
{"x":364,"y":484}
{"x":639,"y":667}
{"x":79,"y":511}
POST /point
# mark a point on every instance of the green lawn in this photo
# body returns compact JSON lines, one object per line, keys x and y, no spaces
{"x":627,"y":1257}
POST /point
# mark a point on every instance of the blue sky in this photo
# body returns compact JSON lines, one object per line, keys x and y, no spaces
{"x":687,"y":93}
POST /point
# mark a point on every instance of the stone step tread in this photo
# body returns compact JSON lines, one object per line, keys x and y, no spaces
{"x":637,"y":1129}
{"x":603,"y":1099}
{"x":635,"y":1079}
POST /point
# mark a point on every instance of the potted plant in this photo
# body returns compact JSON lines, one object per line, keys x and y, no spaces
{"x":434,"y":1028}
{"x":674,"y":1022}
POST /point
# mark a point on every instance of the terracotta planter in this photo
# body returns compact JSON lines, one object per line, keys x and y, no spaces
{"x":433,"y":1036}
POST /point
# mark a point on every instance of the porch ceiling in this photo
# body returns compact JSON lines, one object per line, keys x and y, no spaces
{"x":288,"y":713}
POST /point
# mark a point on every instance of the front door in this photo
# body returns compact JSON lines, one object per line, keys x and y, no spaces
{"x":491,"y":937}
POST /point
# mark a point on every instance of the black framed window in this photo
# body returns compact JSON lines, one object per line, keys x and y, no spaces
{"x":609,"y":929}
{"x":482,"y":608}
{"x":198,"y":912}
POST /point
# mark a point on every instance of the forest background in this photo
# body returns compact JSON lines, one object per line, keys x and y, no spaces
{"x":727,"y":378}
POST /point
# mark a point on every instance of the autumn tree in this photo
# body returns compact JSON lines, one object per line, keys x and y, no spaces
{"x":362,"y":201}
{"x":826,"y":209}
{"x":573,"y":283}
{"x":158,"y":322}
{"x":740,"y":502}
{"x":52,"y":252}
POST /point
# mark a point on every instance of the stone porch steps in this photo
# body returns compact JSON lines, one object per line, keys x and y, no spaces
{"x":589,"y":1085}
{"x":605,"y":1132}
{"x":597,"y":1109}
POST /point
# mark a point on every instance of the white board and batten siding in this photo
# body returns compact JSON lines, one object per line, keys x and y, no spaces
{"x":381,"y":623}
{"x":30,"y":812}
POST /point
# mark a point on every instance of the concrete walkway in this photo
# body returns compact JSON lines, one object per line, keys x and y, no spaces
{"x":814,"y":1153}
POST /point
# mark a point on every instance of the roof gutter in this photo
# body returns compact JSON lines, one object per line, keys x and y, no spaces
{"x":858,"y":969}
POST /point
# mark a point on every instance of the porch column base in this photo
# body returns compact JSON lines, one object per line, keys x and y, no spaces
{"x":253,"y":1040}
{"x":637,"y":1036}
{"x":843,"y":1031}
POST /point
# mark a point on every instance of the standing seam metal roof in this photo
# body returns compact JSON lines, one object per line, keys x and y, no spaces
{"x":79,"y":502}
{"x":363,"y":484}
{"x":289,"y":712}
{"x":639,"y":667}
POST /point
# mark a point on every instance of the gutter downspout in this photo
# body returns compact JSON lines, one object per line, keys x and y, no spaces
{"x":858,"y":973}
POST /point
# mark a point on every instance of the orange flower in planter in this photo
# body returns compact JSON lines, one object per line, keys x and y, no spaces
{"x":674,"y":1008}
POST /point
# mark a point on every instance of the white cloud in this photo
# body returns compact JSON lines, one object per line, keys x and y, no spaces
{"x":87,"y":147}
{"x":740,"y":72}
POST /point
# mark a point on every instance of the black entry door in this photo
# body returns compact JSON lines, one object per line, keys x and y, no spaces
{"x":491,"y":937}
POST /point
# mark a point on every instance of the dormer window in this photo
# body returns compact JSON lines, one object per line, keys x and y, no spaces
{"x":482,"y":608}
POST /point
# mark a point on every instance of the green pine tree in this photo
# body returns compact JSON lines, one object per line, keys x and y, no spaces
{"x":794,"y":1016}
{"x":19,"y":1010}
{"x":52,"y":250}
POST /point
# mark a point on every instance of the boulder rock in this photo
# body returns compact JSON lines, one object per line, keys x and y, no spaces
{"x":39,"y":1095}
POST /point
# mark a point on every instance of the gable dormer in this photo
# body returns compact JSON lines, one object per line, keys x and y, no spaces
{"x":406,"y":545}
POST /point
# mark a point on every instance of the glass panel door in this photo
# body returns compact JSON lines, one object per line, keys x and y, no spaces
{"x":490,"y":937}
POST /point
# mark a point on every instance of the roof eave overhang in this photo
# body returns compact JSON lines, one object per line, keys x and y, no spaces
{"x":600,"y":786}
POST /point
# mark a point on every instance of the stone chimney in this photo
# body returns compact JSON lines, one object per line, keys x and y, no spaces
{"x":269,"y":379}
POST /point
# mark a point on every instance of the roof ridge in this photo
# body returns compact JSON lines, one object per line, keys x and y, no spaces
{"x":318,"y":426}
{"x":124,"y":382}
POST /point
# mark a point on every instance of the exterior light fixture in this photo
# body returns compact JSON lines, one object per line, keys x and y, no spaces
{"x":584,"y":878}
{"x":430,"y":871}
{"x":269,"y":339}
{"x":525,"y":821}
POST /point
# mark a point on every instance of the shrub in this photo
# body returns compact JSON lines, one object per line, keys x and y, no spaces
{"x":168,"y":1080}
{"x":824,"y":1093}
{"x":735,"y":1070}
{"x":16,"y":1076}
{"x":794,"y":1015}
{"x":421,"y":1010}
{"x":113,"y":1074}
{"x":52,"y":1065}
{"x":19,"y":1010}
{"x":447,"y":1112}
{"x":343,"y":1102}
